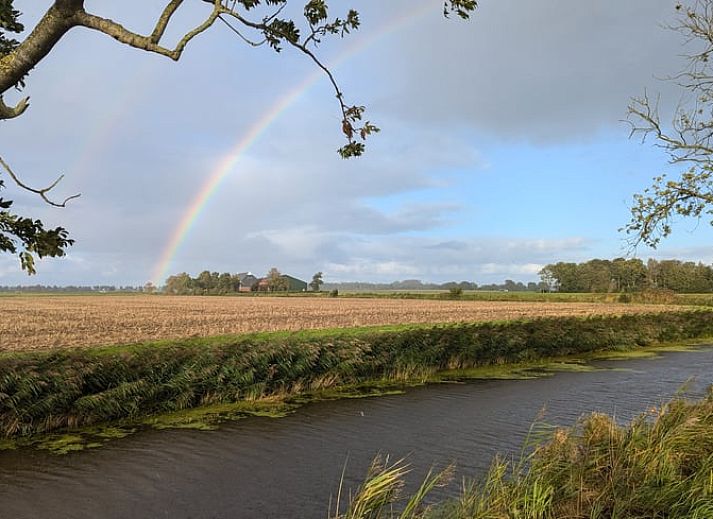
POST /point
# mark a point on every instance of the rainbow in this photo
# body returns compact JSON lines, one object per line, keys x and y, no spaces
{"x":114,"y":114}
{"x":230,"y":160}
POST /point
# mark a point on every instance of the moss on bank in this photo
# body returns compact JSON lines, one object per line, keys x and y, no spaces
{"x":44,"y":392}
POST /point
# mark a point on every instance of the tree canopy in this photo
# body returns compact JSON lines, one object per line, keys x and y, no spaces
{"x":628,"y":275}
{"x":206,"y":283}
{"x":254,"y":22}
{"x":687,"y":139}
{"x":316,"y":282}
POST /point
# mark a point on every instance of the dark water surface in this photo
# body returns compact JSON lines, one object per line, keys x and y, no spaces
{"x":287,"y":468}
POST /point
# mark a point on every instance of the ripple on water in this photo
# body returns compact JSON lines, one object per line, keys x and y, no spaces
{"x":286,"y":468}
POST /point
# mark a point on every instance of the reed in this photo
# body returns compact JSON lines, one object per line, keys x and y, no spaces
{"x":44,"y":391}
{"x":658,"y":466}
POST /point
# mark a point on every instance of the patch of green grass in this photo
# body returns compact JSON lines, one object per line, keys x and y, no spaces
{"x":499,"y":372}
{"x":650,"y":352}
{"x":111,"y":433}
{"x":519,"y":371}
{"x":626,"y":354}
{"x":204,"y":418}
{"x":208,"y":417}
{"x":8,"y":444}
{"x":575,"y":366}
{"x":69,"y":441}
{"x":366,"y":390}
{"x":62,"y":443}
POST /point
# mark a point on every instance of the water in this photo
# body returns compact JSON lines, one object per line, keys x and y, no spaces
{"x":287,"y":468}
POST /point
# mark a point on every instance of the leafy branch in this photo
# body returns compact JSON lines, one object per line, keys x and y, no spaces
{"x":18,"y":58}
{"x":688,"y":139}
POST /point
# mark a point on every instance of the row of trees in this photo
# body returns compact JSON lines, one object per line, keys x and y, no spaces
{"x":416,"y":284}
{"x":214,"y":283}
{"x":205,"y":283}
{"x":628,"y":275}
{"x":72,"y":288}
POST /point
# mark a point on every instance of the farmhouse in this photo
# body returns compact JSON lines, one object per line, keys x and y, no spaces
{"x":247,"y":280}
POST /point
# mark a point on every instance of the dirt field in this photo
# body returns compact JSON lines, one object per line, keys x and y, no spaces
{"x":32,"y":322}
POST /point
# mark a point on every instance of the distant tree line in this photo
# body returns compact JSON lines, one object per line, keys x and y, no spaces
{"x":407,"y":284}
{"x":416,"y":284}
{"x":70,"y":288}
{"x":206,"y":283}
{"x":511,"y":286}
{"x":628,"y":275}
{"x":597,"y":275}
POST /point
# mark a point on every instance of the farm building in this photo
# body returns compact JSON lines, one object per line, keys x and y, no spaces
{"x":293,"y":284}
{"x":247,"y":280}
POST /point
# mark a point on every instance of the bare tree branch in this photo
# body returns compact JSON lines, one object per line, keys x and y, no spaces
{"x":42,"y":192}
{"x":165,"y":17}
{"x":240,"y":35}
{"x":10,"y":112}
{"x":147,"y":43}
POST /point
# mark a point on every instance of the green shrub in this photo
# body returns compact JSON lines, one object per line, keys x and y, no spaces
{"x":455,"y":293}
{"x":624,"y":298}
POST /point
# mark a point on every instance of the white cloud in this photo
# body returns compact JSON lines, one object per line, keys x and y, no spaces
{"x":527,"y":269}
{"x":365,"y":268}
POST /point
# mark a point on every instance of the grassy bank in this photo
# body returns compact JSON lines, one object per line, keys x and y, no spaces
{"x":658,"y":466}
{"x":58,"y":390}
{"x":539,"y":297}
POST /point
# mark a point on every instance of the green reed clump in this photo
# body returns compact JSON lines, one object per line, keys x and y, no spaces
{"x":658,"y":466}
{"x":50,"y":390}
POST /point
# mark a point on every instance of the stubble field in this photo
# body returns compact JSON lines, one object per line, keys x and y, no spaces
{"x":41,"y":322}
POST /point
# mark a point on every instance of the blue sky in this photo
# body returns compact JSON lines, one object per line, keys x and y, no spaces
{"x":502,"y":148}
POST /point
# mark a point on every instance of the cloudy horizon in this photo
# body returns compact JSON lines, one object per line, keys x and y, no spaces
{"x":503,"y":147}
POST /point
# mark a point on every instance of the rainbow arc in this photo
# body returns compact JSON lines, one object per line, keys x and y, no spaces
{"x":231,"y":159}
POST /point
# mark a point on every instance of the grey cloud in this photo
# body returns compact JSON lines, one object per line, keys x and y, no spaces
{"x":540,"y":71}
{"x":448,"y":245}
{"x":139,"y":135}
{"x":130,"y":209}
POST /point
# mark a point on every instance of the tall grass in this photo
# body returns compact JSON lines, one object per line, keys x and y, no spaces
{"x":658,"y":466}
{"x":381,"y":493}
{"x":49,"y":390}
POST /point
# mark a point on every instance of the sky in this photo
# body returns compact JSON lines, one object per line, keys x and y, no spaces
{"x":503,"y":146}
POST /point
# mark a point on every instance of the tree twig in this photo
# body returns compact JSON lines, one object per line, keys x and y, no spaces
{"x":41,"y":192}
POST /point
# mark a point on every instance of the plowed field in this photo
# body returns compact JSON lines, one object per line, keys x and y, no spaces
{"x":38,"y":322}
